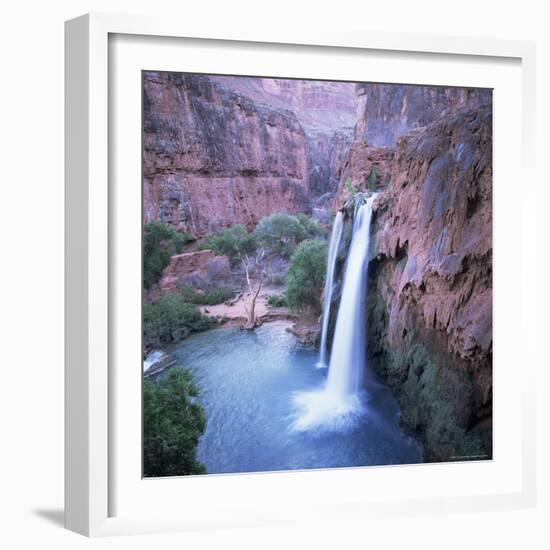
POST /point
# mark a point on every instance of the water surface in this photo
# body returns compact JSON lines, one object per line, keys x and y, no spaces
{"x":249,"y":382}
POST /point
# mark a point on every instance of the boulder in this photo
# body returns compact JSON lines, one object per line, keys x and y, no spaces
{"x":201,"y":270}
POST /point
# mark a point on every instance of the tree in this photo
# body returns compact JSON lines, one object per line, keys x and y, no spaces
{"x":311,"y":227}
{"x":281,"y":233}
{"x":372,"y":179}
{"x":160,"y":242}
{"x":234,"y":242}
{"x":172,"y":423}
{"x":245,"y":248}
{"x":306,"y":275}
{"x":257,"y":262}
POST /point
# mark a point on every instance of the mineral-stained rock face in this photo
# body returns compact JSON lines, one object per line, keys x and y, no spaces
{"x":318,"y":105}
{"x":387,"y":111}
{"x":430,"y":290}
{"x":438,"y":208}
{"x":361,"y":163}
{"x":326,"y":111}
{"x":326,"y":153}
{"x":199,"y":269}
{"x":429,"y":308}
{"x":214,"y":158}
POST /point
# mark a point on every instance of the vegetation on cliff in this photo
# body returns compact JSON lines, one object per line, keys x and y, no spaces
{"x":428,"y":393}
{"x":173,"y":421}
{"x":435,"y":394}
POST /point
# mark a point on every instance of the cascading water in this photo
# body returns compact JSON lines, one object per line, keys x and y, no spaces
{"x":348,"y":348}
{"x":335,"y":239}
{"x":338,"y":405}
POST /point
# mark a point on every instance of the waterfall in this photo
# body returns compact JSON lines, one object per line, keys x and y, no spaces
{"x":335,"y":239}
{"x":339,"y":404}
{"x":347,"y":363}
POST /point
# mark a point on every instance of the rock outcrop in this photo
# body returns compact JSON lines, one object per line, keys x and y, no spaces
{"x":214,"y":158}
{"x":430,"y":289}
{"x":430,"y":277}
{"x":201,"y":270}
{"x":387,"y":111}
{"x":361,"y":163}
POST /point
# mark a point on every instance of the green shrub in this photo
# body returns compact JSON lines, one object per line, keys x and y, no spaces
{"x":234,"y":242}
{"x":372,"y":178}
{"x":171,"y":319}
{"x":160,"y":242}
{"x":172,"y":423}
{"x":312,"y":228}
{"x":280,"y":233}
{"x":208,"y":298}
{"x":276,"y":300}
{"x":306,"y":275}
{"x":278,"y":279}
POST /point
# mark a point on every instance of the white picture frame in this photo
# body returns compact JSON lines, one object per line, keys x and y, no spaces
{"x":90,"y":397}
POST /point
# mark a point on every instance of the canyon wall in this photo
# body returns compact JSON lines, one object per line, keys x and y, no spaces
{"x":387,"y":111}
{"x":361,"y":163}
{"x":326,"y":111}
{"x":430,"y":289}
{"x":213,"y":158}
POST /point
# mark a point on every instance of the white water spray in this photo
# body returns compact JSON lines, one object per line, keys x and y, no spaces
{"x":338,"y":405}
{"x":335,"y":239}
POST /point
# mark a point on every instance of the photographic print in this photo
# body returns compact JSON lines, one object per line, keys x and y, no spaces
{"x":317,"y":274}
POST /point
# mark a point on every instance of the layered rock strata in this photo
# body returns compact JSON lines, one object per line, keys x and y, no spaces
{"x":326,"y":111}
{"x":214,"y":158}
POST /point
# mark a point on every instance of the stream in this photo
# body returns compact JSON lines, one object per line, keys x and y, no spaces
{"x":249,"y":382}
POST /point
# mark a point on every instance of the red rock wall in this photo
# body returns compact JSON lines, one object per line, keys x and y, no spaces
{"x":213,"y":158}
{"x":431,"y":276}
{"x":356,"y":166}
{"x":326,"y":111}
{"x":319,"y":106}
{"x":387,"y":111}
{"x":439,"y":210}
{"x":326,"y":152}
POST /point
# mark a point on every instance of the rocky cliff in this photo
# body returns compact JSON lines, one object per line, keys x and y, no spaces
{"x":326,"y":111}
{"x":430,"y":284}
{"x":213,"y":158}
{"x":387,"y":111}
{"x":363,"y":168}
